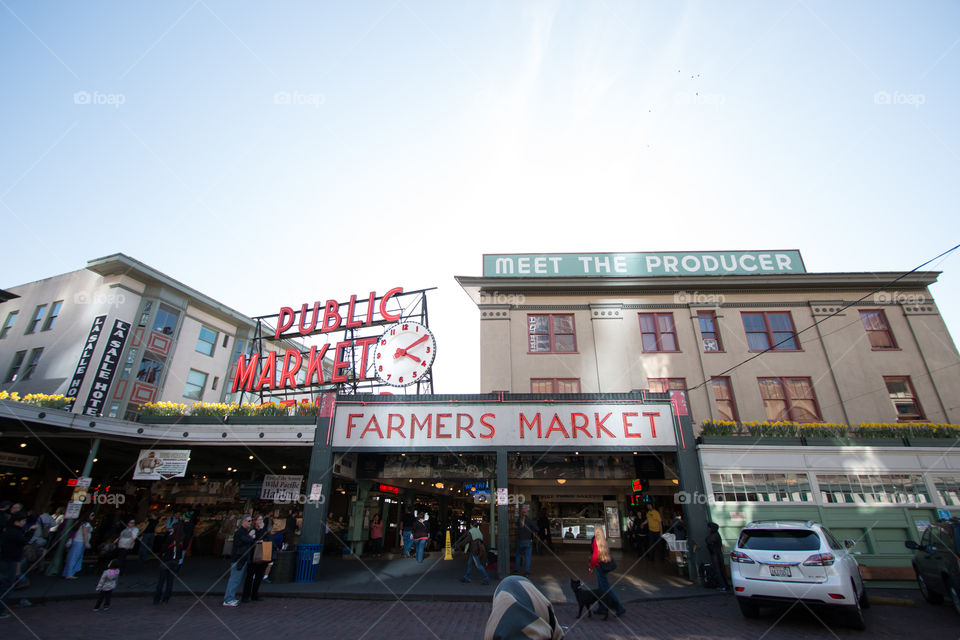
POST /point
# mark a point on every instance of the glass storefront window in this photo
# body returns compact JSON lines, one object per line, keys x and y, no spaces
{"x":761,"y":487}
{"x":894,"y":488}
{"x":948,"y":489}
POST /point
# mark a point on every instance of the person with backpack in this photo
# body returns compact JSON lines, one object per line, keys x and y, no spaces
{"x":476,"y":552}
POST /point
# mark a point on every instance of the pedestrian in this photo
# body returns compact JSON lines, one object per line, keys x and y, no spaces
{"x":106,"y":585}
{"x":243,"y":539}
{"x":406,"y":530}
{"x":189,"y":524}
{"x":125,"y":542}
{"x":521,"y":612}
{"x":526,"y":529}
{"x":543,"y":526}
{"x":79,"y":543}
{"x":714,"y":544}
{"x":4,"y":514}
{"x":251,"y":583}
{"x":420,"y":536}
{"x":12,"y":541}
{"x":654,"y":524}
{"x":601,"y":561}
{"x":376,"y":535}
{"x":476,"y":552}
{"x":170,"y":553}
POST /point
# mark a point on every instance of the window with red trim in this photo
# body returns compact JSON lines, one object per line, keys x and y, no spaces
{"x":709,"y":331}
{"x":770,"y":330}
{"x":904,"y":397}
{"x":878,"y":329}
{"x":551,"y":333}
{"x":667,"y":385}
{"x":554,"y":385}
{"x":658,"y":333}
{"x":789,"y":399}
{"x":723,"y":394}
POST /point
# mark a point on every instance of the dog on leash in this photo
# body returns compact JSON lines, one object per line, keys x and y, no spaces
{"x":586,"y":598}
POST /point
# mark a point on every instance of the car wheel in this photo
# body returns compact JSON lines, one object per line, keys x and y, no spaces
{"x":855,"y":614}
{"x":864,"y":599}
{"x":955,"y":594}
{"x":748,"y":609}
{"x":929,"y":596}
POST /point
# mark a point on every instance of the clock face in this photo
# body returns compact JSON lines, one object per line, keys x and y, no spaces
{"x":404,"y":353}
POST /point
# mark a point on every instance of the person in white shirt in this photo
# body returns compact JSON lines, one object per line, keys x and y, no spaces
{"x":126,"y":541}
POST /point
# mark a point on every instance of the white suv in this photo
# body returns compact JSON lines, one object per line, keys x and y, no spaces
{"x":782,"y":562}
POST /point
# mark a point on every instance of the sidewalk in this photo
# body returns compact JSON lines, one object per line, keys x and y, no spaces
{"x":386,"y":579}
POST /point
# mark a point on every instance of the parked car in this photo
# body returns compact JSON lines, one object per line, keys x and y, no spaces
{"x":782,"y":562}
{"x":936,"y":562}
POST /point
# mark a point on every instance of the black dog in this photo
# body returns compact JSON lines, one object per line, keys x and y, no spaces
{"x":587,"y":598}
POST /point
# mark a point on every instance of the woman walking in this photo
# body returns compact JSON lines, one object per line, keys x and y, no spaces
{"x":601,"y":561}
{"x":376,"y":536}
{"x":79,"y":543}
{"x":251,"y":583}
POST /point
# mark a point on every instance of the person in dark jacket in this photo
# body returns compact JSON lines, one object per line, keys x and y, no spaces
{"x":543,"y":527}
{"x":170,"y":553}
{"x":526,"y":529}
{"x":243,"y":540}
{"x":12,"y":541}
{"x":406,"y":528}
{"x":420,"y":536}
{"x":251,"y":584}
{"x":714,"y":545}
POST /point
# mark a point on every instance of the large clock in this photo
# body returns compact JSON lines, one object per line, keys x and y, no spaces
{"x":404,"y":354}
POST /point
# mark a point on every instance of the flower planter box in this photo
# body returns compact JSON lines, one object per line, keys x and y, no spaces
{"x":933,"y":442}
{"x":180,"y":419}
{"x":880,"y":442}
{"x":750,"y":441}
{"x":271,"y":420}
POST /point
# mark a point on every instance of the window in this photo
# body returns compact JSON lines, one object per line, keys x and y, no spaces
{"x":128,"y":365}
{"x":216,"y":379}
{"x":779,"y":540}
{"x":723,"y":394}
{"x":657,"y":332}
{"x":771,"y":330}
{"x":948,"y":490}
{"x":18,"y":358}
{"x":226,"y":339}
{"x":8,"y":323}
{"x":872,"y":488}
{"x":555,"y":385}
{"x":878,"y":330}
{"x":52,"y":316}
{"x":166,"y":320}
{"x":760,"y":487}
{"x":150,"y":369}
{"x":114,"y":409}
{"x":207,"y":341}
{"x":32,"y":363}
{"x":145,"y":314}
{"x":196,"y":381}
{"x":904,"y":398}
{"x":789,"y":399}
{"x":709,"y":332}
{"x":37,"y":318}
{"x":551,"y":333}
{"x":667,"y":385}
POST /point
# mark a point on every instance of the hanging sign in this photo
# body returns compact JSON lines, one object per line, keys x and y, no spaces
{"x":107,"y":368}
{"x":86,"y":354}
{"x":281,"y":488}
{"x":161,"y":464}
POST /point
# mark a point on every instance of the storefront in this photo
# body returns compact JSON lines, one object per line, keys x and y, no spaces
{"x":580,"y":461}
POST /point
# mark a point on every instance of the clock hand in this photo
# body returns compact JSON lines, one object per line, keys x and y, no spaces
{"x":422,"y":339}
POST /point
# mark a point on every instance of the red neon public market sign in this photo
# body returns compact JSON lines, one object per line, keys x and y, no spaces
{"x":324,"y":318}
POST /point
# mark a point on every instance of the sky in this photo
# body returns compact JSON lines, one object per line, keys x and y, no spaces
{"x":271,"y":154}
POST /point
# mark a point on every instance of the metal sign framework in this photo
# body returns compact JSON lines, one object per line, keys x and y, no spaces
{"x":408,"y":305}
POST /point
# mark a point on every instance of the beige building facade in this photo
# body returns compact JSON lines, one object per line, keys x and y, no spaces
{"x":775,"y":344}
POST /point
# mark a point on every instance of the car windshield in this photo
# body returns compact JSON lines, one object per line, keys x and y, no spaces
{"x":779,"y":540}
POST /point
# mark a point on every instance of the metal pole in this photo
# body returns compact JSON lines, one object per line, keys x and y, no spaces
{"x":56,"y":565}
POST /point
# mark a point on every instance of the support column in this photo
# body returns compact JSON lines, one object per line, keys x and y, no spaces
{"x":56,"y":565}
{"x":690,"y":476}
{"x":356,"y":516}
{"x":503,"y":517}
{"x":320,"y":473}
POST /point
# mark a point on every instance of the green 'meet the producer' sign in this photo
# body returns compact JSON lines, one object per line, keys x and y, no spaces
{"x":694,"y":263}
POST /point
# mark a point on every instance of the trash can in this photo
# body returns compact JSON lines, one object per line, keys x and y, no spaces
{"x":308,"y":557}
{"x":284,"y":566}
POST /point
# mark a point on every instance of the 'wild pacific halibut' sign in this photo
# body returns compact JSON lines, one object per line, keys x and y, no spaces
{"x":693,"y":263}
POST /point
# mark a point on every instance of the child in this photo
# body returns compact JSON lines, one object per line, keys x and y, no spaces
{"x":108,"y":582}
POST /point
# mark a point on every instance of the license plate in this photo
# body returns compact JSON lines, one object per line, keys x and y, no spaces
{"x":780,"y":572}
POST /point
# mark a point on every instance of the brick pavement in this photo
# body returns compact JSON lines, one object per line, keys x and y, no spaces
{"x":715,"y":617}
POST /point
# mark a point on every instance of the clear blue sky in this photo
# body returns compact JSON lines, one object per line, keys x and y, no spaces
{"x":392,"y":143}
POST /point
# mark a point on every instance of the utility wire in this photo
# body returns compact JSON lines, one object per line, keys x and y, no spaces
{"x":825,"y":318}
